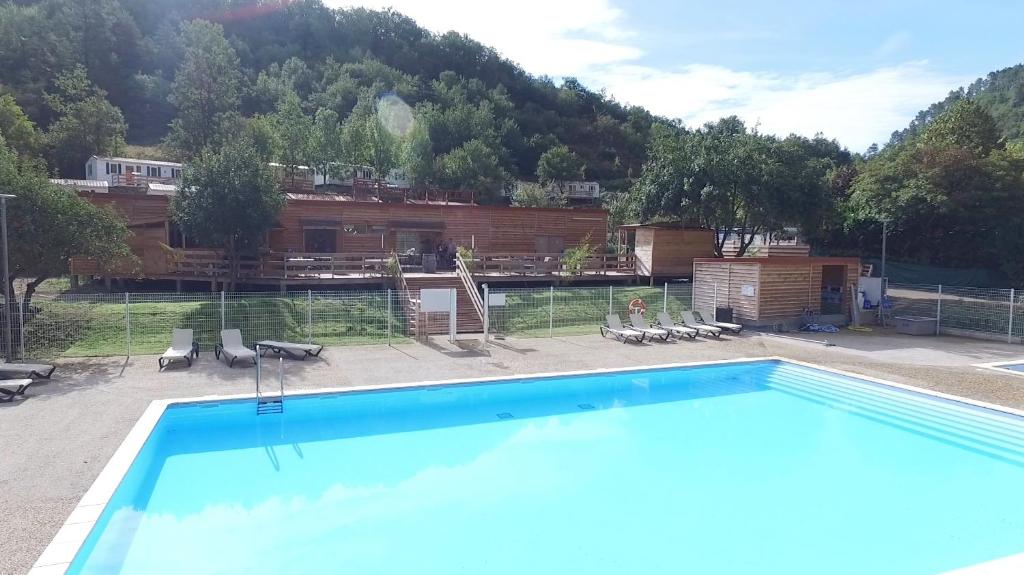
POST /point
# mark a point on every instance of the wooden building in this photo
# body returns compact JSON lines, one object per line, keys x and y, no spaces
{"x":353,"y":237}
{"x":775,"y":290}
{"x":666,"y":250}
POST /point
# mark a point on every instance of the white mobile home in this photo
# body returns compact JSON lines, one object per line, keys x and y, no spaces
{"x":131,"y":171}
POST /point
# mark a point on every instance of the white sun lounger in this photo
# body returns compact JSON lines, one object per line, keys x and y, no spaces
{"x":733,"y":327}
{"x":665,"y":322}
{"x":614,"y":326}
{"x":292,"y":350}
{"x":701,"y":327}
{"x":183,"y":347}
{"x":26,"y":370}
{"x":11,"y":388}
{"x":231,"y":347}
{"x":640,"y":324}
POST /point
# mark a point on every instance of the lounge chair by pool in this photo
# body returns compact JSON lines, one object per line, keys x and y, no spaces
{"x":733,"y":327}
{"x":622,"y":333}
{"x":679,"y":330}
{"x":231,"y":347}
{"x":640,"y":324}
{"x":701,"y":327}
{"x":29,"y":370}
{"x":11,"y":388}
{"x":292,"y":350}
{"x":183,"y":347}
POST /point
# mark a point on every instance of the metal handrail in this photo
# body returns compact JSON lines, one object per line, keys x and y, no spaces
{"x":467,"y":281}
{"x":259,"y":377}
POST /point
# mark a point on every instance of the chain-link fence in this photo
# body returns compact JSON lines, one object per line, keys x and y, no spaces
{"x":77,"y":325}
{"x":545,"y":312}
{"x":968,"y":311}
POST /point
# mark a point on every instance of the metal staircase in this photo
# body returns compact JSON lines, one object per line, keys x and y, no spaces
{"x":267,"y":401}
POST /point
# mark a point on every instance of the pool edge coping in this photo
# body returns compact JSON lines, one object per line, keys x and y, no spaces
{"x":67,"y":542}
{"x":998,"y":366}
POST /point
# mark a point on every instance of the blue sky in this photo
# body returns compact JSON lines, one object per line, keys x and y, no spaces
{"x":854,"y":71}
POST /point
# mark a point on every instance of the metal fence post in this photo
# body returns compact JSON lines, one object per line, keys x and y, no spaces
{"x":309,"y":313}
{"x":664,"y":304}
{"x":1009,"y":334}
{"x":551,"y":312}
{"x":389,"y":317}
{"x":938,"y":311}
{"x":487,"y":313}
{"x":223,"y":325}
{"x":714,"y":301}
{"x":21,"y":323}
{"x":128,"y":324}
{"x":610,"y":312}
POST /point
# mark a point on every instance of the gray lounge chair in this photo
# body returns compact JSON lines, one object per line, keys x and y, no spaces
{"x":679,"y":330}
{"x":232,"y":349}
{"x":183,"y":347}
{"x":293,"y":350}
{"x":640,"y":324}
{"x":701,"y":327}
{"x":29,"y":370}
{"x":8,"y":392}
{"x":622,"y":333}
{"x":733,"y":327}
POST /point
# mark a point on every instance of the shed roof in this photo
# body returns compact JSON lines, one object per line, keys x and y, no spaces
{"x":783,"y":260}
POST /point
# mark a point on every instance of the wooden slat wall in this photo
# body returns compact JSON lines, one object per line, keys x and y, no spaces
{"x":493,"y":229}
{"x":783,"y":289}
{"x":675,"y":250}
{"x":730,"y":279}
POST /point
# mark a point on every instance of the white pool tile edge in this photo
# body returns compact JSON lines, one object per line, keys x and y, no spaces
{"x":998,"y":366}
{"x":57,"y":556}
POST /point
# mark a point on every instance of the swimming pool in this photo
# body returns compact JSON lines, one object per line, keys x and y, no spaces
{"x":744,"y":467}
{"x":1015,"y":367}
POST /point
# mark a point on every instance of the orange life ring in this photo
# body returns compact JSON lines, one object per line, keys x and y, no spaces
{"x":637,"y":305}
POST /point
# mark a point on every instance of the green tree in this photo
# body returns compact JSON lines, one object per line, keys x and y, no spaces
{"x":367,"y":142}
{"x":294,"y":131}
{"x":558,"y":166}
{"x":326,"y":148}
{"x":418,"y":156}
{"x":87,"y":124}
{"x":205,"y":91}
{"x":50,"y":224}
{"x":19,"y":132}
{"x":474,"y":167}
{"x":531,"y":195}
{"x":228,"y":199}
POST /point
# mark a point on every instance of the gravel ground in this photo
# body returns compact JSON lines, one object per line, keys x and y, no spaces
{"x":55,"y":441}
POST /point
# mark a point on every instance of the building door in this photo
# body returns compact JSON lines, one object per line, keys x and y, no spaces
{"x":320,"y":240}
{"x":832,"y":279}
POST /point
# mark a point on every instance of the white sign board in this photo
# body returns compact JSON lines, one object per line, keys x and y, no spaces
{"x":497,"y":299}
{"x":435,"y":300}
{"x":747,"y":290}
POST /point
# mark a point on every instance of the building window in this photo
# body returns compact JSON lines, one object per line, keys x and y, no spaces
{"x":153,"y":171}
{"x":175,"y":173}
{"x":88,"y":170}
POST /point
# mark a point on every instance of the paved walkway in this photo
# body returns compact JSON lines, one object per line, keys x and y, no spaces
{"x":55,"y":442}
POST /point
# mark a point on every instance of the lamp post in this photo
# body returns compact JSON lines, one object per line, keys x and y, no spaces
{"x":7,"y":277}
{"x":884,"y":234}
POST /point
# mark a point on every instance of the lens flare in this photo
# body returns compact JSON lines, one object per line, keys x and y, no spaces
{"x":395,"y":115}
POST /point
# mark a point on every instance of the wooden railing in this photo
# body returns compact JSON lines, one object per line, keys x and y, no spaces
{"x":133,"y":179}
{"x":470,"y":284}
{"x":277,"y":265}
{"x":549,"y":264}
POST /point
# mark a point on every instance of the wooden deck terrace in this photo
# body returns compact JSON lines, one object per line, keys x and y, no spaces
{"x":277,"y":268}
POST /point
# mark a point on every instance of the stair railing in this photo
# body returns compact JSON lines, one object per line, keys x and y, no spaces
{"x":470,"y":284}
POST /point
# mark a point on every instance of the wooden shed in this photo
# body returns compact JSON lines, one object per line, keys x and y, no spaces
{"x":773,"y":290}
{"x":666,"y":250}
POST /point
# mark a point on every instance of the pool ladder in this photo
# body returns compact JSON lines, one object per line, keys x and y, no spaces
{"x":268,"y":401}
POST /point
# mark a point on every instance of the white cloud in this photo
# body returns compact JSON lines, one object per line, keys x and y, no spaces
{"x":589,"y":39}
{"x":857,"y":109}
{"x":556,"y":38}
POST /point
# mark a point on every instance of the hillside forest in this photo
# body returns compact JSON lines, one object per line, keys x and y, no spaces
{"x":299,"y":83}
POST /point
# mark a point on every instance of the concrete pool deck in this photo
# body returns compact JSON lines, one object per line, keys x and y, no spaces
{"x":56,"y":441}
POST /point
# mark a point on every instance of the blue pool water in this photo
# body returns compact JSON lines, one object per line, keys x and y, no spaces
{"x":762,"y":467}
{"x":1015,"y":367}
